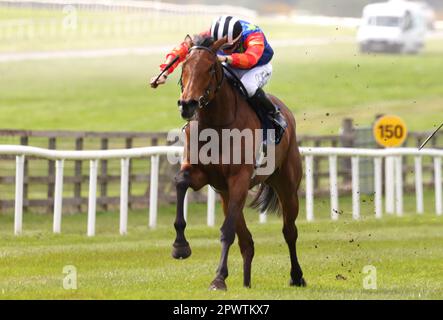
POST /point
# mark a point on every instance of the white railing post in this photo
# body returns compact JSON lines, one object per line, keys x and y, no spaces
{"x":211,"y":206}
{"x":124,"y":190}
{"x":19,"y":174}
{"x":355,"y":188}
{"x":419,"y":184}
{"x":309,"y":188}
{"x":438,"y":187}
{"x":378,"y":187}
{"x":153,"y":191}
{"x":333,"y":186}
{"x":389,"y":184}
{"x":92,"y":200}
{"x":398,"y":186}
{"x":58,"y":196}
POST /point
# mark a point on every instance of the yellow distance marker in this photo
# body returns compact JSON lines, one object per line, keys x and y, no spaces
{"x":390,"y":131}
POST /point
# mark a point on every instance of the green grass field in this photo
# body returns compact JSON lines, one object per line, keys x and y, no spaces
{"x":112,"y":93}
{"x":407,"y":252}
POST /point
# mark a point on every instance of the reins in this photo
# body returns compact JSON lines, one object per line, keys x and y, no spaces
{"x":237,"y":80}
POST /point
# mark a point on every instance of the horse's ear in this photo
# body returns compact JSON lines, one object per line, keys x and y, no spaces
{"x":218,"y":44}
{"x":188,"y":41}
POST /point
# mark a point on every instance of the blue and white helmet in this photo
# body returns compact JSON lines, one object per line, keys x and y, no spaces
{"x":226,"y":26}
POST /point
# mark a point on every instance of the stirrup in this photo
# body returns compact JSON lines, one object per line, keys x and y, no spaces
{"x":282,"y":123}
{"x":279,"y":127}
{"x":278,"y":120}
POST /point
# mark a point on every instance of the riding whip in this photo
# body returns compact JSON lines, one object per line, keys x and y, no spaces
{"x":167,"y":67}
{"x":430,"y":137}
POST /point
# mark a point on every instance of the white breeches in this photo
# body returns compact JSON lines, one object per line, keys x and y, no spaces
{"x":254,"y":78}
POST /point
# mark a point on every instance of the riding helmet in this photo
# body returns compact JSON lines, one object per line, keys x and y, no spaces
{"x":226,"y":26}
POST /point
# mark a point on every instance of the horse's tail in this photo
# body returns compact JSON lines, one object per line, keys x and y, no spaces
{"x":266,"y":200}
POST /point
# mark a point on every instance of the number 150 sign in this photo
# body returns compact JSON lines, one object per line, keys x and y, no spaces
{"x":390,"y":131}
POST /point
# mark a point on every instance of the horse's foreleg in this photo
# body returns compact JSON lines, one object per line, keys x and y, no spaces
{"x":238,"y":190}
{"x":185,"y":179}
{"x":181,"y":248}
{"x":245,"y":242}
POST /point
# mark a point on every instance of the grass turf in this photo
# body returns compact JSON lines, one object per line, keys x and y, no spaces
{"x":407,"y":252}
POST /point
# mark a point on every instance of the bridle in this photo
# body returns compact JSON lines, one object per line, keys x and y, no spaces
{"x":203,"y":100}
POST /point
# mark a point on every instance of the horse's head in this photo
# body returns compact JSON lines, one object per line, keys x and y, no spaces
{"x":202,"y":76}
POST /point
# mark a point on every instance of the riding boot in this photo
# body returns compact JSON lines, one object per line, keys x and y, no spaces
{"x":259,"y":99}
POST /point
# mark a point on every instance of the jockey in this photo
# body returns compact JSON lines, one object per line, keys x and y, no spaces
{"x":247,"y":53}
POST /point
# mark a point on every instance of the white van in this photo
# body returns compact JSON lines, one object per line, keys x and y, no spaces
{"x":396,"y":26}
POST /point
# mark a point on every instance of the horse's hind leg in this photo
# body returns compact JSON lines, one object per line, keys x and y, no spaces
{"x":289,"y":175}
{"x":290,"y":211}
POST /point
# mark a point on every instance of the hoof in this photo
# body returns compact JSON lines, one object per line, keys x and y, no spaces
{"x":181,"y":251}
{"x":218,"y":284}
{"x":299,"y":283}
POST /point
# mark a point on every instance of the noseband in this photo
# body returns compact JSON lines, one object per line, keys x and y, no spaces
{"x":203,"y":101}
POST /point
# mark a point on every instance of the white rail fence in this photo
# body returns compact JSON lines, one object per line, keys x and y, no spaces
{"x":393,"y":159}
{"x":109,"y":18}
{"x":393,"y":180}
{"x":131,"y":5}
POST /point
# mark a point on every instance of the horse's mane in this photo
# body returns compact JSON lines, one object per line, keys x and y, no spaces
{"x":204,"y":41}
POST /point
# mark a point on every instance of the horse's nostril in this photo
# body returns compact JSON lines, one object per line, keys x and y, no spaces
{"x":193,"y":103}
{"x":188,"y":103}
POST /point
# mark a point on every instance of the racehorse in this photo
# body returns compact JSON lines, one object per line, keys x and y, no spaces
{"x":214,"y":103}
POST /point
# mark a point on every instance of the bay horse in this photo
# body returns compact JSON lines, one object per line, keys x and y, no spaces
{"x":211,"y":100}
